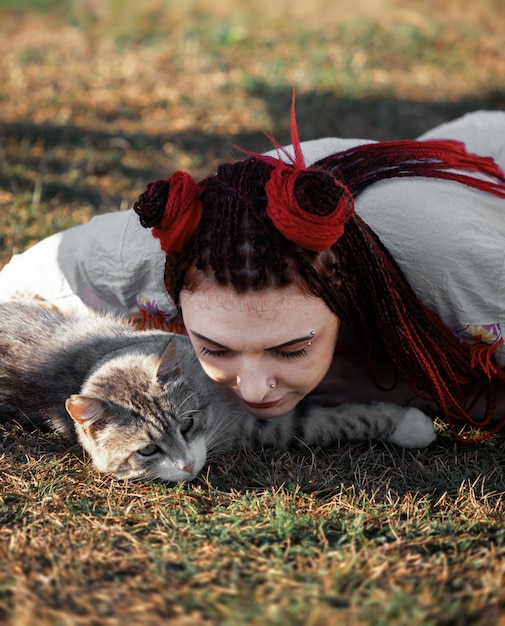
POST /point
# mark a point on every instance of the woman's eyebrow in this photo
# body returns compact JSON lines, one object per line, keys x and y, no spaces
{"x":286,"y":344}
{"x":292,"y":342}
{"x":204,"y":338}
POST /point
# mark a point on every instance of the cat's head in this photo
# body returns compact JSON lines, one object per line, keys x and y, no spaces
{"x":140,"y":418}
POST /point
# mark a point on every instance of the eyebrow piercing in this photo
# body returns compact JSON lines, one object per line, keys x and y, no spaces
{"x":312,"y":332}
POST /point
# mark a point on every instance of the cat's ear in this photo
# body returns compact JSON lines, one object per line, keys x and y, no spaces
{"x":169,"y":367}
{"x":86,"y":410}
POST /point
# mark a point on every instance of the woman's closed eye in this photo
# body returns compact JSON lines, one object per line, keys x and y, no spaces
{"x":285,"y":354}
{"x":293,"y":354}
{"x":208,"y":352}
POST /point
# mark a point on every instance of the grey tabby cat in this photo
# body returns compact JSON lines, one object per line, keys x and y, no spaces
{"x":143,"y":408}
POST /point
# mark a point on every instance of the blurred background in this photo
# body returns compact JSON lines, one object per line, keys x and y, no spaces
{"x":99,"y":97}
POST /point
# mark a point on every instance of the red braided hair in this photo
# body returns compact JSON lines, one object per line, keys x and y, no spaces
{"x":173,"y":209}
{"x":430,"y":347}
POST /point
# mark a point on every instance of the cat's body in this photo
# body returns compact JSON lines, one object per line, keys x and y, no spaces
{"x":141,"y":405}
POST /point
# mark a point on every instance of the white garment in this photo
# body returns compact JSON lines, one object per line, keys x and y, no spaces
{"x":449,"y":240}
{"x":110,"y":264}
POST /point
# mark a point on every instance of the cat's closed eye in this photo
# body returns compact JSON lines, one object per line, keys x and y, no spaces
{"x":149,"y":450}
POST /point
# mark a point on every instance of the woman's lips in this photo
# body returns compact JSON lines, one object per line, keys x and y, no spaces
{"x":265,"y":405}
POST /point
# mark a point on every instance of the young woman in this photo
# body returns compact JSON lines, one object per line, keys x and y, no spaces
{"x":343,"y":269}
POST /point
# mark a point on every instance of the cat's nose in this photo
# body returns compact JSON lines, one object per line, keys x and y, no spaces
{"x":186,"y":467}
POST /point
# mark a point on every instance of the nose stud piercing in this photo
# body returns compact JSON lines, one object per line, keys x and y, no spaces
{"x":272,"y":385}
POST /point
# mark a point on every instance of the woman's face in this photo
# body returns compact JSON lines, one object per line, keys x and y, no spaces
{"x":249,"y":342}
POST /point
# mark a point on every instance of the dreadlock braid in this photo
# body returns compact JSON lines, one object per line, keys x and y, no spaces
{"x":232,"y":243}
{"x":389,"y":315}
{"x":431,"y":359}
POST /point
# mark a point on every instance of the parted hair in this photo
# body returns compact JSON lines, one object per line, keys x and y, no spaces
{"x":237,"y":240}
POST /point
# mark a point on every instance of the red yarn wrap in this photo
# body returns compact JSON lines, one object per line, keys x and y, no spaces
{"x":182,"y":214}
{"x":310,"y":231}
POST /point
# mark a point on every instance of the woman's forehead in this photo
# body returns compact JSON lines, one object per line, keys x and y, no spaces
{"x":267,"y":302}
{"x":255,"y":320}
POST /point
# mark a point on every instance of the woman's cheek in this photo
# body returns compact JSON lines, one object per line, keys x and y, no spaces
{"x":214,"y":371}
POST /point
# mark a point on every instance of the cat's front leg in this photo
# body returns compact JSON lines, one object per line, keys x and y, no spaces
{"x":413,"y":430}
{"x":407,"y":427}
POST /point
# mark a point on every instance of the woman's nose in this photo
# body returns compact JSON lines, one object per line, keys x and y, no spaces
{"x":253,"y":383}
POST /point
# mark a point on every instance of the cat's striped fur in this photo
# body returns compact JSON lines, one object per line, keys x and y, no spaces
{"x":141,"y":405}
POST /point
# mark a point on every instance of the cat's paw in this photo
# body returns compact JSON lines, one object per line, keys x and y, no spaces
{"x":414,"y":430}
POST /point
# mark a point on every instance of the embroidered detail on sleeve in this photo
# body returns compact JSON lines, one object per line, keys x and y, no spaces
{"x":472,"y":334}
{"x":154,"y":317}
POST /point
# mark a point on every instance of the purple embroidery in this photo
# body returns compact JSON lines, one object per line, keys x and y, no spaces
{"x":480,"y":333}
{"x":152,"y":308}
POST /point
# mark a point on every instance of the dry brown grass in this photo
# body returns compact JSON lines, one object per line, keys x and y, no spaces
{"x":94,"y":103}
{"x":361,"y":535}
{"x":104,"y":97}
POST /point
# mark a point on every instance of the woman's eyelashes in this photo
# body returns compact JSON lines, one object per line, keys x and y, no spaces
{"x":294,"y":354}
{"x":207,"y":352}
{"x":291,"y":354}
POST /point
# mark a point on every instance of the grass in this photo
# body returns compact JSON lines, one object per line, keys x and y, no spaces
{"x":362,"y":535}
{"x":96,"y":100}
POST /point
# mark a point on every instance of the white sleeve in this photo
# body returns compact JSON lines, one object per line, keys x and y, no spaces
{"x":36,"y":275}
{"x":108,"y":264}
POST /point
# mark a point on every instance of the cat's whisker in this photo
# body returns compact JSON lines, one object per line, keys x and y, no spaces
{"x":217,"y":441}
{"x":223,"y":447}
{"x":220,"y":427}
{"x":187,"y":399}
{"x":217,"y":436}
{"x":191,"y":412}
{"x":137,"y":479}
